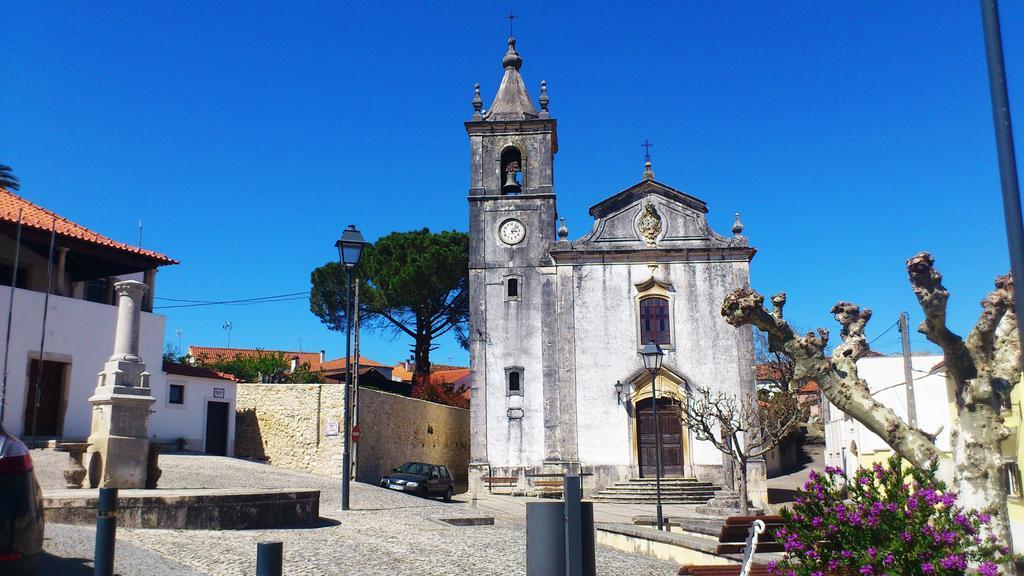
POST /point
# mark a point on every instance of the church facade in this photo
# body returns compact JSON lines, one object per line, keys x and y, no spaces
{"x":557,"y":325}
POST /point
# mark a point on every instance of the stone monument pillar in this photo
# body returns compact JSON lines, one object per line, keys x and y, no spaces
{"x":119,"y":441}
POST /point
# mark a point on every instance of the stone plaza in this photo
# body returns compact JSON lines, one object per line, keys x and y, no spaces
{"x":385,"y":533}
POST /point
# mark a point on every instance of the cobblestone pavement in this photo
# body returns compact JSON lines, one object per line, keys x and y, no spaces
{"x":386,"y":532}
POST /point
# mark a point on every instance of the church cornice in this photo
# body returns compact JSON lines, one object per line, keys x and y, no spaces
{"x":604,"y":255}
{"x":641,"y":189}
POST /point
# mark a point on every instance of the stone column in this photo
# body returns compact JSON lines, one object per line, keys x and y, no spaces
{"x":119,"y":441}
{"x":62,"y":254}
{"x":129,"y":320}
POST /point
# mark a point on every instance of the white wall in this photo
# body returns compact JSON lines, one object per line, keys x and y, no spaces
{"x":188,"y":420}
{"x":81,"y":333}
{"x":705,"y":351}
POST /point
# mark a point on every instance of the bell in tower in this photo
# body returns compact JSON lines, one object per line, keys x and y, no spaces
{"x":511,"y":169}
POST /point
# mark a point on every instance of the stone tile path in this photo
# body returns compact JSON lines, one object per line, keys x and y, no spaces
{"x":386,"y":532}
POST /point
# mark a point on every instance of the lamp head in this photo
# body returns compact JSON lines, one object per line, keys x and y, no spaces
{"x":652,"y":355}
{"x":350,"y":246}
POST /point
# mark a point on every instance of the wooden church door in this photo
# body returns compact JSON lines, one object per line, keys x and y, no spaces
{"x":671,"y":440}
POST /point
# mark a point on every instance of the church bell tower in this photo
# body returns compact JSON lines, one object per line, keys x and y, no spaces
{"x":512,"y":225}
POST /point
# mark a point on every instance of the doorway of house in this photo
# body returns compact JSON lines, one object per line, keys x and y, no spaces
{"x":217,"y":428}
{"x":671,"y":425}
{"x":48,"y":377}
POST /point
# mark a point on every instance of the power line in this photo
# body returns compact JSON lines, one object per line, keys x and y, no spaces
{"x":893,"y":325}
{"x":243,"y":301}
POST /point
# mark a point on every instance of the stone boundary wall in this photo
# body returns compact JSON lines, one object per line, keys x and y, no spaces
{"x":288,"y":425}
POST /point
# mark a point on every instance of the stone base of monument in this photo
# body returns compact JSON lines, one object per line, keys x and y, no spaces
{"x":191,"y":509}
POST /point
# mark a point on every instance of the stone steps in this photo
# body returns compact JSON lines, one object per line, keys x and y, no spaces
{"x":645,"y":491}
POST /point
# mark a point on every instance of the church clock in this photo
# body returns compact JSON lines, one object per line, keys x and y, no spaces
{"x":511,"y":231}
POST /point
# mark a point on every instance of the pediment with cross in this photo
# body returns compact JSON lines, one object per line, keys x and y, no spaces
{"x":650,"y":215}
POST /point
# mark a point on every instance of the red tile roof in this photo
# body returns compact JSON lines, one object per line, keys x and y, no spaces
{"x":195,"y":371}
{"x":339,"y":363}
{"x":34,"y":216}
{"x":450,"y":376}
{"x":212,"y":354}
{"x":400,"y":372}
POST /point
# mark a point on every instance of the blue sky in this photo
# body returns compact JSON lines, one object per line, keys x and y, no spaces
{"x":247,"y":135}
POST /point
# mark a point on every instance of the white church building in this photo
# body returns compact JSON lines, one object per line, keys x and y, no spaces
{"x":557,"y":324}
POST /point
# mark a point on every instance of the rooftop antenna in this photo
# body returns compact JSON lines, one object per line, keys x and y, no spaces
{"x":178,"y":333}
{"x":227,"y":326}
{"x":140,"y":233}
{"x":510,"y":17}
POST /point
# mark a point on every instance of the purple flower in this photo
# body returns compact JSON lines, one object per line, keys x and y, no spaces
{"x":927,"y":568}
{"x":988,"y":569}
{"x":866,"y":569}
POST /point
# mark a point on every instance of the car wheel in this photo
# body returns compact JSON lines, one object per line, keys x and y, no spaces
{"x":448,"y":495}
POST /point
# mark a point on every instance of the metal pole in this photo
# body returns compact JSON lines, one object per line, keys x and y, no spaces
{"x":908,"y":376}
{"x":10,"y":315}
{"x":355,"y":378}
{"x":573,"y":525}
{"x":42,"y":339}
{"x":106,"y":532}
{"x":269,"y":558}
{"x":657,"y":447}
{"x":346,"y":458}
{"x":1004,"y":149}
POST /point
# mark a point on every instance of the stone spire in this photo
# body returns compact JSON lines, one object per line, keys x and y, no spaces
{"x":648,"y":173}
{"x":512,"y":102}
{"x":737,"y":226}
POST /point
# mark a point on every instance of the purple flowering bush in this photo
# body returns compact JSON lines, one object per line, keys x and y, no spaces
{"x":895,"y":520}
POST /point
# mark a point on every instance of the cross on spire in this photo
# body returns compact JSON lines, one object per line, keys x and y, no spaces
{"x":510,"y":17}
{"x":647,"y":150}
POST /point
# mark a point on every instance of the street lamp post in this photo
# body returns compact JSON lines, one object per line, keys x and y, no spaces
{"x":652,"y":355}
{"x":350,"y":246}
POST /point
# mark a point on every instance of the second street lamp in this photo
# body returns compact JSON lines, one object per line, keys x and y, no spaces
{"x":652,"y":355}
{"x":350,"y":247}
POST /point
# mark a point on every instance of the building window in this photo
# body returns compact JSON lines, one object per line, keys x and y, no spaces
{"x":514,"y":377}
{"x":513,"y":287}
{"x":97,"y":290}
{"x":176,"y":394}
{"x":1011,"y":476}
{"x":654,"y":321}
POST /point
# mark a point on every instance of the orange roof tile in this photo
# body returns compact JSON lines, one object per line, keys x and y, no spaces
{"x":209,"y":353}
{"x":400,"y":372}
{"x":34,"y":216}
{"x":339,"y":363}
{"x":450,"y":376}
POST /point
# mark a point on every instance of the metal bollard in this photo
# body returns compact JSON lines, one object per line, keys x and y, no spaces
{"x":545,"y":539}
{"x":106,"y":533}
{"x":269,"y":556}
{"x":573,"y":525}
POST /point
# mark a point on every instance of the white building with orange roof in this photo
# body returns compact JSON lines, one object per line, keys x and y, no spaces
{"x":47,"y":381}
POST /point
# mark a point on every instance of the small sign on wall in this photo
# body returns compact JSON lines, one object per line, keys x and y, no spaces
{"x":218,"y":392}
{"x":332,"y":429}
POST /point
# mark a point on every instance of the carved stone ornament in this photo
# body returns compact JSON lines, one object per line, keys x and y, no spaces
{"x":649,"y":224}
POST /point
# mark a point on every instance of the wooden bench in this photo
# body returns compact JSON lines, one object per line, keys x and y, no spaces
{"x":735,"y":537}
{"x":502,"y":482}
{"x":553,"y":487}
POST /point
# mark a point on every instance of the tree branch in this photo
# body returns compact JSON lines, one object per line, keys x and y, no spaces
{"x":838,"y":379}
{"x":932,"y":296}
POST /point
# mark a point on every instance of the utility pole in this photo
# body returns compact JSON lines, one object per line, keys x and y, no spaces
{"x":908,"y":376}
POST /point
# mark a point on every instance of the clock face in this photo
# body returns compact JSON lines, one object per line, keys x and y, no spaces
{"x":511,"y":231}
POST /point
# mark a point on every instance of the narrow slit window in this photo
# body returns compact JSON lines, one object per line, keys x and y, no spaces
{"x":512,"y":287}
{"x":515,"y":383}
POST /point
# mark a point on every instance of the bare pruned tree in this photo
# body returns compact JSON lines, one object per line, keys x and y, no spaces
{"x":981,"y":368}
{"x":742,"y":427}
